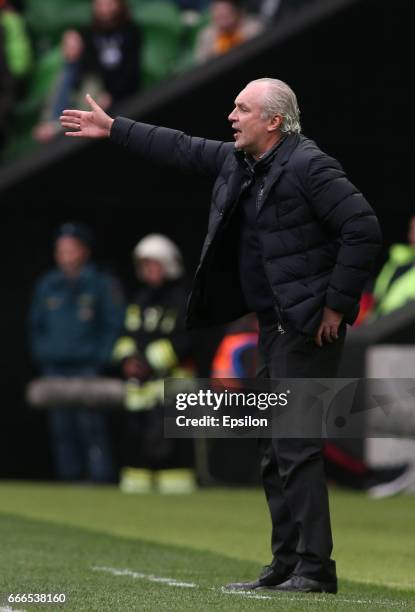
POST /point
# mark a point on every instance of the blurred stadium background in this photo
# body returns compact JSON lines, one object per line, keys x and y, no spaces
{"x":348,"y":62}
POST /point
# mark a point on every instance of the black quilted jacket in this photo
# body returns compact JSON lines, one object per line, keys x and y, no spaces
{"x":319,"y":235}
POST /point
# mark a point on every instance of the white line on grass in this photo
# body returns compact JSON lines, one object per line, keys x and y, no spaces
{"x":247,"y":594}
{"x":278,"y":596}
{"x":9,"y":609}
{"x":140,"y":575}
{"x":330,"y":600}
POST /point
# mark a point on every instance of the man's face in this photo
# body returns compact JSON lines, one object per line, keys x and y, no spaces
{"x":151,"y":272}
{"x":253,"y":134}
{"x":106,"y":10}
{"x":72,"y":45}
{"x":70,"y":255}
{"x":225,"y":16}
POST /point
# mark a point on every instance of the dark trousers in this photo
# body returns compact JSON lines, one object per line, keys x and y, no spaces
{"x":81,"y":444}
{"x":292,"y":468}
{"x":80,"y":438}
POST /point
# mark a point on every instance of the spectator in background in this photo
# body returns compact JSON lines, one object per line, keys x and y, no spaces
{"x":112,"y":50}
{"x":17,"y":45}
{"x":395,"y":285}
{"x":6,"y":90}
{"x":75,"y":318}
{"x":229,"y":27}
{"x":68,"y":88}
{"x":154,"y":345}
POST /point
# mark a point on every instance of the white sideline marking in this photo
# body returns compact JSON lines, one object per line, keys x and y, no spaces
{"x":140,"y":575}
{"x":9,"y":609}
{"x":247,"y":594}
{"x":279,"y":597}
{"x":340,"y":600}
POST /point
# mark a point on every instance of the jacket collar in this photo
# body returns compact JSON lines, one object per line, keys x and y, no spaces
{"x":262,"y":164}
{"x":282,"y":155}
{"x":281,"y":152}
{"x":86,"y":272}
{"x":278,"y":157}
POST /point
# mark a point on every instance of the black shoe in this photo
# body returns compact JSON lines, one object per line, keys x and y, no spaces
{"x":270,"y":575}
{"x":300,"y":584}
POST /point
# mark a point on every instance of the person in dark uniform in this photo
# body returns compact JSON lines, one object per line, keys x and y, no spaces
{"x":292,"y":239}
{"x":154,"y":345}
{"x":75,"y":319}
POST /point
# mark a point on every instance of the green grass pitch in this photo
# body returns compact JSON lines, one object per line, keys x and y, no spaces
{"x":108,"y":551}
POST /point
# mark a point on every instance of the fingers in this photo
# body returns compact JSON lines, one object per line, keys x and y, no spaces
{"x":326,"y":334}
{"x":72,"y":113}
{"x":92,"y":102}
{"x":71,"y":120}
{"x":70,"y":125}
{"x":318,"y":339}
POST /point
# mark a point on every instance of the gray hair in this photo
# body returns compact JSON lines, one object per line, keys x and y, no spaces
{"x":279,"y":99}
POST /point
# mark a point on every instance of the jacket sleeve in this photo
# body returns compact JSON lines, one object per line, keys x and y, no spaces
{"x":171,"y":147}
{"x":347,"y":216}
{"x":180,"y":339}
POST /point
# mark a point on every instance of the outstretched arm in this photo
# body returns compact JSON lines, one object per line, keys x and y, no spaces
{"x":87,"y":124}
{"x":157,"y":144}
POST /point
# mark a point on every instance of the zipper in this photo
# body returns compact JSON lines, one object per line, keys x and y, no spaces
{"x":259,"y":195}
{"x":278,"y":310}
{"x":277,"y":307}
{"x":280,"y":329}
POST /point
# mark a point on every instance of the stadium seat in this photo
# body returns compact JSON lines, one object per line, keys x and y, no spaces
{"x":27,"y":111}
{"x":188,"y":42}
{"x":162,"y":28}
{"x":48,"y":19}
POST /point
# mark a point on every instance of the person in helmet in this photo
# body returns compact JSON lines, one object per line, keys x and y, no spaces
{"x":154,"y":345}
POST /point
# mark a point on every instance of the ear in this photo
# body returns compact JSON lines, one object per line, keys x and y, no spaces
{"x":275,"y":123}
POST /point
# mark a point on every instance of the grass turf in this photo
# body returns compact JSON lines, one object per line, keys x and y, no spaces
{"x":52,"y":537}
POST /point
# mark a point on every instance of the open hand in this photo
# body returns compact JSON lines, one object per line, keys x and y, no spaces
{"x":87,"y":124}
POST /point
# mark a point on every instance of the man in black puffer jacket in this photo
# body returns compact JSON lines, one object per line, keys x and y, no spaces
{"x":293,"y":240}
